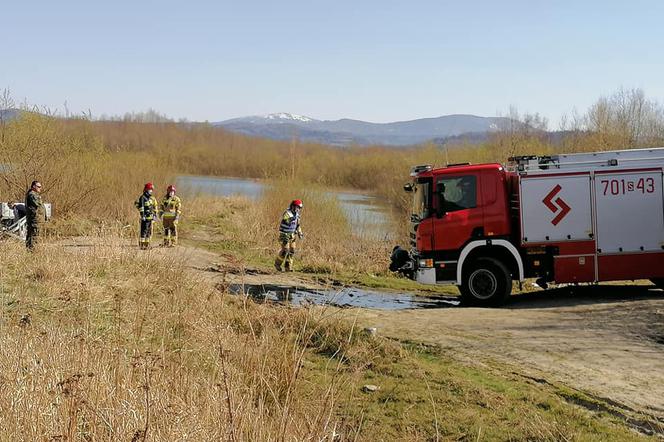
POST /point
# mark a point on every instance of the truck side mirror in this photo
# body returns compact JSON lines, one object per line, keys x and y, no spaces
{"x":440,"y":200}
{"x":408,"y":187}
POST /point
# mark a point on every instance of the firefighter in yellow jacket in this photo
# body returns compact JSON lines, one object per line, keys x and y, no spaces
{"x":170,"y":210}
{"x":147,"y":209}
{"x":289,"y":228}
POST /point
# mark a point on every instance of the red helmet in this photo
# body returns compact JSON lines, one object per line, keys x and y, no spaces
{"x":297,"y":203}
{"x":148,"y":186}
{"x":170,"y":188}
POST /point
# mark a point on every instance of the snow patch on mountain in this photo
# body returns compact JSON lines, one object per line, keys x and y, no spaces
{"x":288,"y":116}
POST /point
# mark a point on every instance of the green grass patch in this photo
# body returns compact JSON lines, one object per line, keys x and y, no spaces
{"x":428,"y":395}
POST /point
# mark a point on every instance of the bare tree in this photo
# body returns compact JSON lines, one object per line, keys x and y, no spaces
{"x":519,"y":134}
{"x":626,"y":119}
{"x":6,"y":104}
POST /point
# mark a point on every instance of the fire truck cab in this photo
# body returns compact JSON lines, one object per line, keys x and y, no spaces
{"x":573,"y":218}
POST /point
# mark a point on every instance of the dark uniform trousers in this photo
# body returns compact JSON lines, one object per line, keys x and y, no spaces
{"x":33,"y":217}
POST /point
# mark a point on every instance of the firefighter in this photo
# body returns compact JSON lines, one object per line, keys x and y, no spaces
{"x":289,"y":229}
{"x":169,"y":211}
{"x":34,"y":214}
{"x":148,"y":209}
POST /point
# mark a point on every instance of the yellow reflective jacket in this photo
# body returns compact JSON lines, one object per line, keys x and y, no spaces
{"x":171,"y":206}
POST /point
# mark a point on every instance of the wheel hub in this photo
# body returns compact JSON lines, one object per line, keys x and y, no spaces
{"x":483,"y":284}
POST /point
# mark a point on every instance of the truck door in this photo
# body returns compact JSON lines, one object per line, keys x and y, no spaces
{"x":556,"y":211}
{"x":462,"y":212}
{"x":556,"y":208}
{"x":630,"y":224}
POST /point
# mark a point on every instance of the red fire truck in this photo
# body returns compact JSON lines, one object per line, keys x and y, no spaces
{"x":577,"y":218}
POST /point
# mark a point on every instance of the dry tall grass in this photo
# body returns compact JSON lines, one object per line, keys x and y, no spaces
{"x":329,"y":245}
{"x":81,"y":176}
{"x":101,"y":343}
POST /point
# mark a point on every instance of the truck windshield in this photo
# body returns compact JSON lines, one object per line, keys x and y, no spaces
{"x":421,"y":200}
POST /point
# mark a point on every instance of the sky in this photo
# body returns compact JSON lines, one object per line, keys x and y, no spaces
{"x":372,"y":60}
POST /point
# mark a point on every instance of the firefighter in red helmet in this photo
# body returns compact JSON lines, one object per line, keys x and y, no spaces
{"x":289,"y":231}
{"x":148,"y":211}
{"x":170,"y":210}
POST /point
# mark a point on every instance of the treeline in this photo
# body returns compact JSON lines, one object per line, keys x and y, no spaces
{"x":93,"y":168}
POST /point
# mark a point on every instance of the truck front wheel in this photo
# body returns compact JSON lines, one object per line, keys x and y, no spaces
{"x":486,"y":283}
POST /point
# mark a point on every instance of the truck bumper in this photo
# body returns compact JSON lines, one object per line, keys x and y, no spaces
{"x":426,"y":276}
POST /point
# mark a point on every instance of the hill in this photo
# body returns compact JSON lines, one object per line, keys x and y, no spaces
{"x":343,"y":132}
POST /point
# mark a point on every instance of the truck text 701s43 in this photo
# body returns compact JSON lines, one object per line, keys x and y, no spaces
{"x":574,"y":218}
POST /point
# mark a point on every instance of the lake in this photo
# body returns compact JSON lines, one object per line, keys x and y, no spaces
{"x":367,"y":215}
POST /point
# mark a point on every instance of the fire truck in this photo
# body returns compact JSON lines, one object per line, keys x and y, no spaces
{"x":568,"y":218}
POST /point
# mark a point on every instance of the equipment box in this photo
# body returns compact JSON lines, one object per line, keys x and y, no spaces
{"x":6,"y":212}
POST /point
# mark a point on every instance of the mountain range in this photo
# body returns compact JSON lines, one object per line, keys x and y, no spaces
{"x":344,"y":132}
{"x":347,"y":132}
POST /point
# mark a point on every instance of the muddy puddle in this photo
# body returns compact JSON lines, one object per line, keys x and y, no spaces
{"x":341,"y":297}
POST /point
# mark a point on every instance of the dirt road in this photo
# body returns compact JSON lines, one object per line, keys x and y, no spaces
{"x":607,"y":341}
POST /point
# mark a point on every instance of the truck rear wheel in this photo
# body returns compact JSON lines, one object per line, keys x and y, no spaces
{"x":659,"y":282}
{"x":486,"y":283}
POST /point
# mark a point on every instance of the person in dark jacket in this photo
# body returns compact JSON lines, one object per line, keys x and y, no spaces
{"x":34,"y":214}
{"x":148,"y":210}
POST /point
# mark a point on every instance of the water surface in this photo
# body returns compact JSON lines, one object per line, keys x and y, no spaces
{"x":341,"y":297}
{"x":366,"y":214}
